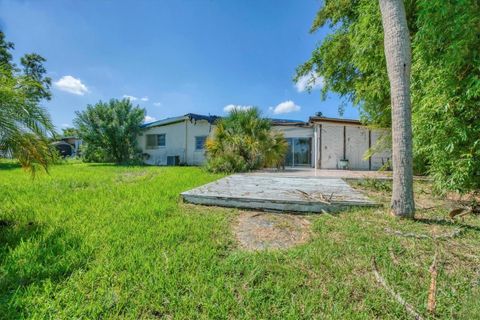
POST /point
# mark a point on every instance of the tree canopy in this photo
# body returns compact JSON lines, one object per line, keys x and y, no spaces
{"x":24,"y":124}
{"x":445,"y":78}
{"x":109,"y":130}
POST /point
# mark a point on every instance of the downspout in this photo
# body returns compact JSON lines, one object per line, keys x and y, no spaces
{"x":186,"y":140}
{"x":369,"y":147}
{"x":320,"y":146}
{"x":315,"y":146}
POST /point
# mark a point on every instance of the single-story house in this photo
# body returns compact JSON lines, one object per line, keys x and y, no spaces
{"x":320,"y":142}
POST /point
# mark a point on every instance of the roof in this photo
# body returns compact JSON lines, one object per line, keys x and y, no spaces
{"x":334,"y":120}
{"x":287,"y":122}
{"x":188,"y":116}
{"x":276,"y":122}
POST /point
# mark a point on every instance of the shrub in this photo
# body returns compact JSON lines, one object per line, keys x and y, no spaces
{"x":244,"y":141}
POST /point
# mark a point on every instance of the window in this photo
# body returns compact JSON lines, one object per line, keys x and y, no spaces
{"x":200,"y":142}
{"x":155,"y":140}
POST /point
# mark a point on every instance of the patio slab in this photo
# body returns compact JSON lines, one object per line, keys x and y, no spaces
{"x":278,"y":193}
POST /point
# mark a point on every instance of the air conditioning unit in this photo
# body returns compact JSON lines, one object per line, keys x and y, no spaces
{"x":173,"y":160}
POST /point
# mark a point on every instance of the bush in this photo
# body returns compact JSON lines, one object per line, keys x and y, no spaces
{"x":109,"y":131}
{"x":244,"y":141}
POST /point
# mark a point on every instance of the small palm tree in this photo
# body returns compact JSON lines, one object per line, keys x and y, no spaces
{"x":244,"y":141}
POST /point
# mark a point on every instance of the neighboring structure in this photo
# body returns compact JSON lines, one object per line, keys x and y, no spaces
{"x":323,"y":143}
{"x":68,"y":146}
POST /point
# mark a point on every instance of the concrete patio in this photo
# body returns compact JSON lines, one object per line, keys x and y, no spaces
{"x":324,"y":173}
{"x":285,"y":191}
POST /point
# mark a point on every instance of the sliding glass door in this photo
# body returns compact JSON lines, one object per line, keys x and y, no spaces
{"x":299,"y":152}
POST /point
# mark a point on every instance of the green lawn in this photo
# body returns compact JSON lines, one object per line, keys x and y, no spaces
{"x":101,"y":241}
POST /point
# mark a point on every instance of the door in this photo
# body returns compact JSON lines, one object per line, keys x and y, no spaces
{"x":299,"y":152}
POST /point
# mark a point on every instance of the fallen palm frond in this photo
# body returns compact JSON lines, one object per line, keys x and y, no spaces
{"x":316,"y":196}
{"x":432,"y":292}
{"x":381,"y":280}
{"x":463,"y":211}
{"x":449,"y":235}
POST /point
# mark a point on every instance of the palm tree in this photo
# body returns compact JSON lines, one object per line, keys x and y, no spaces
{"x":24,"y":124}
{"x":244,"y":141}
{"x":399,"y":60}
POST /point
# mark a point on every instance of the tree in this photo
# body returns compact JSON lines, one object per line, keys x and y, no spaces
{"x":398,"y":58}
{"x":445,"y":86}
{"x":69,"y":132}
{"x":244,"y":141}
{"x":109,"y":130}
{"x":24,"y":124}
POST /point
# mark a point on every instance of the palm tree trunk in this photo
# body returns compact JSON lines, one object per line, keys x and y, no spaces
{"x":399,"y":60}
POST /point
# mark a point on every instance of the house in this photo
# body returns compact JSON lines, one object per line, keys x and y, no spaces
{"x":320,"y":142}
{"x":68,"y":146}
{"x":177,"y":140}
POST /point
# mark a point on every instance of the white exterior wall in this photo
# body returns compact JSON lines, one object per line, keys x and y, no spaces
{"x":331,"y":144}
{"x":179,"y":141}
{"x":357,"y":144}
{"x":194,"y":129}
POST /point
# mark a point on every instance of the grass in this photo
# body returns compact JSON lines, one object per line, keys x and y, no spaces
{"x":102,"y":241}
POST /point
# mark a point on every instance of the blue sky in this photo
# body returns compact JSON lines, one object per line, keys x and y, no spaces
{"x":179,"y":56}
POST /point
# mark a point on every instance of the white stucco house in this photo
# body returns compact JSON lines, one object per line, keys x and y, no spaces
{"x":320,"y":142}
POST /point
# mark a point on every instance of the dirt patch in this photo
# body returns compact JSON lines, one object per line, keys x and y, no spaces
{"x":263,"y":231}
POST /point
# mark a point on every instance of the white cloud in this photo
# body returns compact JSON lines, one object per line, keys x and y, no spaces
{"x":149,"y":119}
{"x":231,"y":107}
{"x":157,"y":104}
{"x":145,"y":99}
{"x":131,"y":98}
{"x":310,"y":81}
{"x":71,"y":85}
{"x":66,"y":125}
{"x":285,"y":107}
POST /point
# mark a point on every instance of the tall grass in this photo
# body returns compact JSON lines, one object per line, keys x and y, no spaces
{"x":102,"y":241}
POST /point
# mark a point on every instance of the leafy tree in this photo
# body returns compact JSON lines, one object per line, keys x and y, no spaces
{"x":109,"y":130}
{"x":24,"y":124}
{"x":445,"y":78}
{"x":68,"y":132}
{"x":399,"y":62}
{"x":244,"y":141}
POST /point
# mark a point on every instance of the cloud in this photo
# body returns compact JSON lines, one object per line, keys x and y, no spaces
{"x":285,"y":107}
{"x":310,"y":81}
{"x":145,"y":99}
{"x":66,"y":125}
{"x":131,"y":98}
{"x":231,"y":107}
{"x":71,"y":85}
{"x":157,"y":104}
{"x":149,"y":119}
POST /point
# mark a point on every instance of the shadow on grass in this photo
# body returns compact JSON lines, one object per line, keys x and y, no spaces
{"x":444,"y":222}
{"x":30,"y":255}
{"x":9,"y":165}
